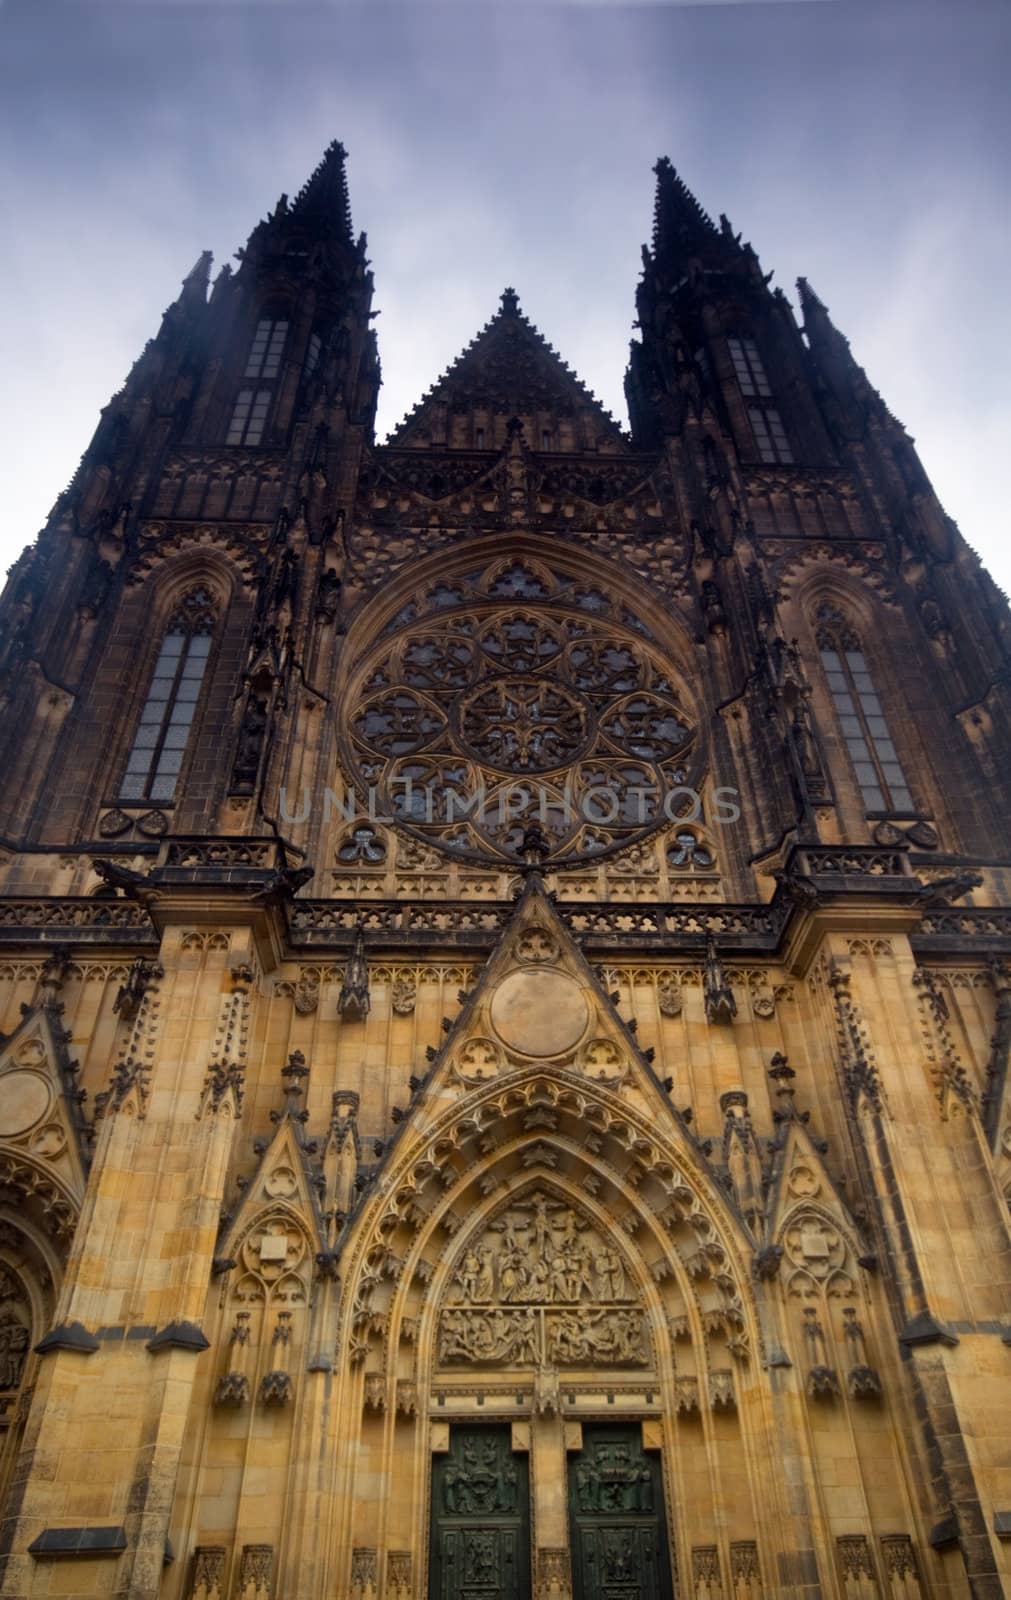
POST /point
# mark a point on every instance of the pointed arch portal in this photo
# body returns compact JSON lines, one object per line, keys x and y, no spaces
{"x":549,"y":1287}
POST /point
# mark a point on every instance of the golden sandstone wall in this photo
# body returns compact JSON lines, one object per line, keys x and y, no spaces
{"x":756,"y":1346}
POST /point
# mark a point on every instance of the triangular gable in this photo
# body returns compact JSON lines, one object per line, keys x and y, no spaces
{"x":807,"y":1217}
{"x":282,"y":1191}
{"x":538,"y":1002}
{"x":508,"y":370}
{"x":540,"y":1101}
{"x":40,"y":1107}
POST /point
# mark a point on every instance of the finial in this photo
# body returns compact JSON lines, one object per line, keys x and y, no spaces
{"x":294,"y":1075}
{"x":720,"y":1003}
{"x":535,"y":846}
{"x":354,"y":1000}
{"x":510,"y":303}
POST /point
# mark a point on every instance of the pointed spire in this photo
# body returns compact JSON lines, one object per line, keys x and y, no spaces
{"x":678,"y":219}
{"x":197,"y":280}
{"x":818,"y":325}
{"x":323,"y":200}
{"x":848,"y":397}
{"x":808,"y":298}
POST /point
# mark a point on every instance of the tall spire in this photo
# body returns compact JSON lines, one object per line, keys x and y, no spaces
{"x":197,"y":280}
{"x":323,"y":202}
{"x":818,"y":325}
{"x":679,"y":222}
{"x":847,"y":396}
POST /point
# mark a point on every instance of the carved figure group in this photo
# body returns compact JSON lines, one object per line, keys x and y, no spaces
{"x":542,"y":1254}
{"x":608,"y":1336}
{"x":481,"y":1481}
{"x":612,"y":1480}
{"x":605,"y":1337}
{"x":493,"y":1335}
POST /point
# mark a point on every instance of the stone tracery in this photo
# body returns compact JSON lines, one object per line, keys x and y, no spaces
{"x":580,"y":712}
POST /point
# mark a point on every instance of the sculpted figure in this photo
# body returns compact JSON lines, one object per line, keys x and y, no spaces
{"x":527,"y":1342}
{"x":13,"y":1348}
{"x":468,"y":1276}
{"x":486,"y":1277}
{"x":587,"y":1486}
{"x":610,"y":1275}
{"x":513,"y":1275}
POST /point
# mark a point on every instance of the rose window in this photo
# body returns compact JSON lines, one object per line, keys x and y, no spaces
{"x":523,"y":724}
{"x":512,"y":703}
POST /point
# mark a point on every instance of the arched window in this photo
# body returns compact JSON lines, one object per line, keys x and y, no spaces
{"x":766,"y":421}
{"x":163,"y":732}
{"x":770,"y":434}
{"x":313,"y":352}
{"x":749,"y":369}
{"x":252,"y":404}
{"x":861,"y":717}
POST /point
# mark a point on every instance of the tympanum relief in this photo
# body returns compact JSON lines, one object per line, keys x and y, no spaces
{"x":540,"y":1285}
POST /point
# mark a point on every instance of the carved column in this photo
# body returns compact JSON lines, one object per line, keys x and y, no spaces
{"x":549,"y":1495}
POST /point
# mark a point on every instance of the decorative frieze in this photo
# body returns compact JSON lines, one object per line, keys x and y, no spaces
{"x":255,"y":1572}
{"x":707,"y":1583}
{"x":745,"y":1573}
{"x":856,"y":1566}
{"x":902,"y":1572}
{"x":208,"y":1579}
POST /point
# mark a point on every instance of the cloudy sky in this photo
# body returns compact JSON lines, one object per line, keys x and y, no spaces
{"x":860,"y":142}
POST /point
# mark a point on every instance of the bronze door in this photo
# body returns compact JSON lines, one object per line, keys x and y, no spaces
{"x":619,"y":1530}
{"x":480,"y":1518}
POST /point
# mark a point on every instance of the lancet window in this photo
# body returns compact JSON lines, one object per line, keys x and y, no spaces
{"x":876,"y":763}
{"x":166,"y":721}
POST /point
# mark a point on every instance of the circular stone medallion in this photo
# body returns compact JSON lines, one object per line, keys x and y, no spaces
{"x":539,"y":1013}
{"x":24,"y":1099}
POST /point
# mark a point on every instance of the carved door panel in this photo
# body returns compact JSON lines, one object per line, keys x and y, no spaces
{"x":619,"y":1530}
{"x":480,"y":1519}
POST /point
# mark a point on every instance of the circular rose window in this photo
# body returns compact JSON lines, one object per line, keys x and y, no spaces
{"x":515,"y":701}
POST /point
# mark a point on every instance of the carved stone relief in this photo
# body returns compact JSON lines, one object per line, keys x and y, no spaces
{"x":483,"y":1481}
{"x":15,"y":1331}
{"x":541,"y":1285}
{"x":208,"y":1572}
{"x":610,"y":1480}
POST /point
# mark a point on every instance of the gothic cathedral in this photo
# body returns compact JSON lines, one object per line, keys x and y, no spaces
{"x":505,"y":989}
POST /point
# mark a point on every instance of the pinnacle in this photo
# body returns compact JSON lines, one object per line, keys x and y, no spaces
{"x":677,"y":214}
{"x":808,"y":296}
{"x":200,"y":272}
{"x":323,"y":198}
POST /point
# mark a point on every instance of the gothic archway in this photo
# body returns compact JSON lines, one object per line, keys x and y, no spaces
{"x":458,"y":1309}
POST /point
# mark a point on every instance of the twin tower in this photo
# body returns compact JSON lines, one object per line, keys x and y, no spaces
{"x":504,"y":995}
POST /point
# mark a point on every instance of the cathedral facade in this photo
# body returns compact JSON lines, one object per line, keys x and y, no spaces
{"x":504,"y":994}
